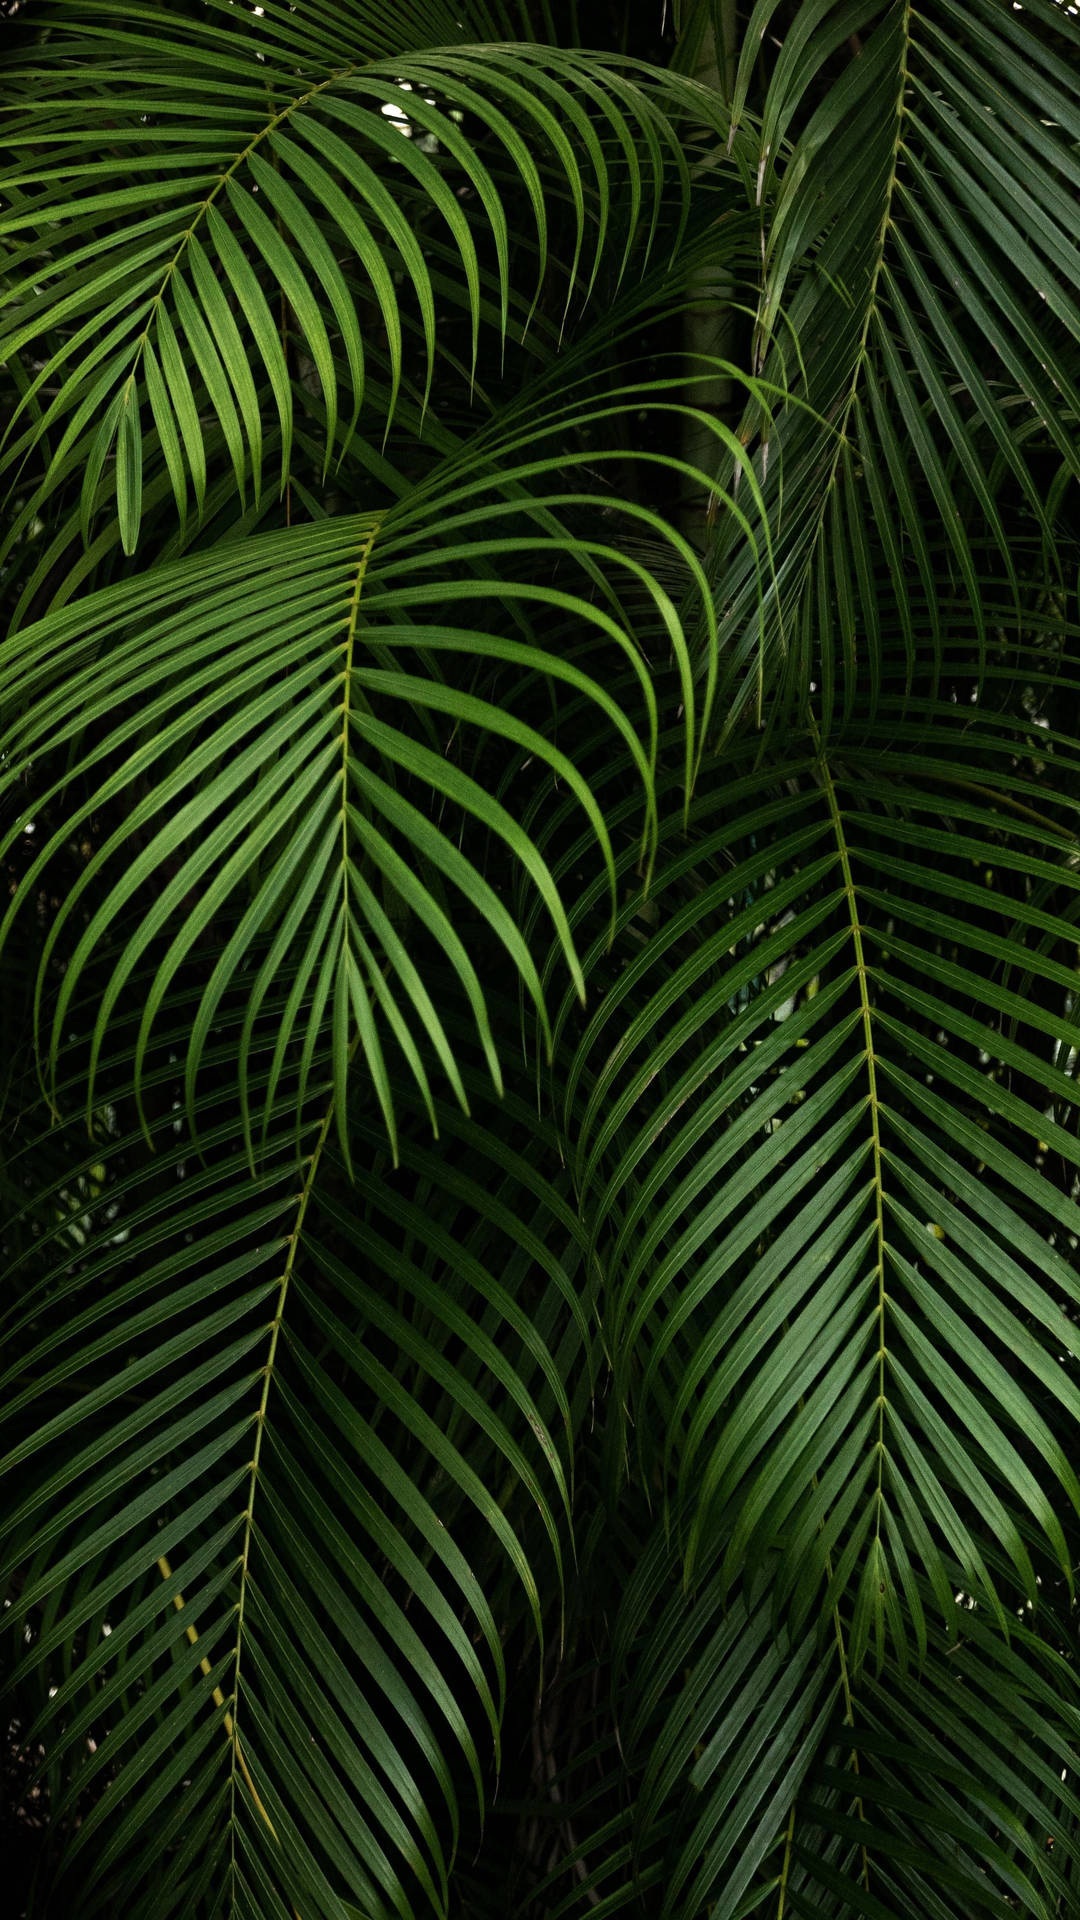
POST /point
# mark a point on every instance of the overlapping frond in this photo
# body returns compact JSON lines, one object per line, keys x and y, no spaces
{"x":270,"y":237}
{"x":277,"y":1671}
{"x":771,"y":1781}
{"x":285,"y":722}
{"x":823,"y":1119}
{"x":921,"y":293}
{"x":666,"y":1429}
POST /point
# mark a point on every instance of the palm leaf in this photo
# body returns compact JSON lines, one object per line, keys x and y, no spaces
{"x":783,"y":1106}
{"x":283,"y":768}
{"x":199,"y":1402}
{"x":631,"y":1473}
{"x":179,"y":297}
{"x":927,"y":316}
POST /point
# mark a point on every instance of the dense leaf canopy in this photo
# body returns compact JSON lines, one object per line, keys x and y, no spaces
{"x":539,"y":781}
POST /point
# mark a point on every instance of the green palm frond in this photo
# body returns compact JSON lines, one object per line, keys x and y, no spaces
{"x":539,"y":775}
{"x":793,"y":1790}
{"x":289,"y":224}
{"x":309,"y":1322}
{"x":785,"y":1107}
{"x":286,"y":708}
{"x":928,"y":316}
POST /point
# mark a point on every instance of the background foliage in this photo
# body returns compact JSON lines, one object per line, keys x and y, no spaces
{"x":538,"y":956}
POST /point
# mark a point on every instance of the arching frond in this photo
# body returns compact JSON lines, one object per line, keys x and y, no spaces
{"x":283,"y":719}
{"x":921,"y":293}
{"x":783,"y":1784}
{"x":833,"y":1024}
{"x":289,"y":221}
{"x":201,"y":1564}
{"x":539,"y":778}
